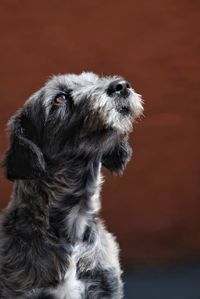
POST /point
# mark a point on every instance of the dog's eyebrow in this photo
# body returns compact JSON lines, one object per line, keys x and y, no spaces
{"x":60,"y":87}
{"x":63,"y":87}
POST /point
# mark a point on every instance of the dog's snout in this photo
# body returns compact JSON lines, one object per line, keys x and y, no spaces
{"x":119,"y":86}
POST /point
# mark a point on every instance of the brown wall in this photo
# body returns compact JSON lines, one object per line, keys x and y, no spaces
{"x":154,"y":208}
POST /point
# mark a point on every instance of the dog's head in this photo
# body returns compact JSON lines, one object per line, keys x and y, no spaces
{"x":70,"y":113}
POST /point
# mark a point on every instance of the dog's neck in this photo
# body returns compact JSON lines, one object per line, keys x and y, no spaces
{"x":67,"y":199}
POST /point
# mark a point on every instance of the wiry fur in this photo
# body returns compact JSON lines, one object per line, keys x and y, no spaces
{"x":52,"y":243}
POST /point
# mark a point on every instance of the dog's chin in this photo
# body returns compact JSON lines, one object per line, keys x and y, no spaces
{"x":122,"y":125}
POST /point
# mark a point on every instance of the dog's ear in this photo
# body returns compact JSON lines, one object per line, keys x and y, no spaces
{"x":24,"y":159}
{"x":117,"y":159}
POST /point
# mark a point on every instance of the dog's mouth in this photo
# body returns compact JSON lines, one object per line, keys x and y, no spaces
{"x":124,"y":109}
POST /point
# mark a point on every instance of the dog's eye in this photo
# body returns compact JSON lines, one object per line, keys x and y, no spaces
{"x":60,"y":99}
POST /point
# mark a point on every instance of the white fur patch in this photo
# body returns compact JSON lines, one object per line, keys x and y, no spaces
{"x":71,"y":287}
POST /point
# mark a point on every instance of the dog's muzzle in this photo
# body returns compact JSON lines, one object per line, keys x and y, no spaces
{"x":120,"y":90}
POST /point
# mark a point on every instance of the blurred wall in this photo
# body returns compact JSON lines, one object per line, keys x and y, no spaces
{"x":154,"y":208}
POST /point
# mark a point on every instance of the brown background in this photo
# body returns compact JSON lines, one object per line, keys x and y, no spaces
{"x":154,"y":208}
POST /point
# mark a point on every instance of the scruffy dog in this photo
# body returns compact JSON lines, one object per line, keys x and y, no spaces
{"x":52,"y":243}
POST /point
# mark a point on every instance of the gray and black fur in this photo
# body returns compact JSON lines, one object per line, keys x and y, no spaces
{"x":52,"y":243}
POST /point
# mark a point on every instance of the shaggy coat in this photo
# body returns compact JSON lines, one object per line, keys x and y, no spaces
{"x":52,"y":243}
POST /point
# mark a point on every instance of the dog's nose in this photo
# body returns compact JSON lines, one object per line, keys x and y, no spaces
{"x":119,"y":86}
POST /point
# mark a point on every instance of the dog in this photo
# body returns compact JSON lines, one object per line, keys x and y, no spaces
{"x":52,"y":243}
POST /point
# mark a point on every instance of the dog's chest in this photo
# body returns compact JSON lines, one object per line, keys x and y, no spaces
{"x":72,"y":287}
